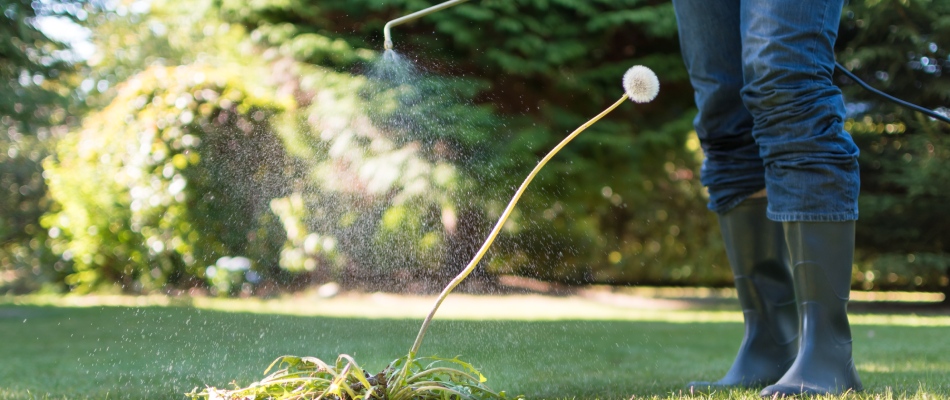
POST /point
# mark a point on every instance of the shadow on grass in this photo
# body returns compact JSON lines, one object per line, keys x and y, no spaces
{"x":163,"y":352}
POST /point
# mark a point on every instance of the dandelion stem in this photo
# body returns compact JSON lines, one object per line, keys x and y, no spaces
{"x":501,"y":222}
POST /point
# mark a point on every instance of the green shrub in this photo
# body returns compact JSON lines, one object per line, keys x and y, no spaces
{"x":176,"y":173}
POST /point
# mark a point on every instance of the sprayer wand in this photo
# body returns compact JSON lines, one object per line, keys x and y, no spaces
{"x":388,"y":43}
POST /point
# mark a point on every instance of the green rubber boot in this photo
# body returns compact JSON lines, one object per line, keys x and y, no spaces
{"x":821,"y":254}
{"x":758,"y":255}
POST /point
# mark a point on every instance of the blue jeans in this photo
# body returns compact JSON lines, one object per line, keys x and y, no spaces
{"x":769,"y":115}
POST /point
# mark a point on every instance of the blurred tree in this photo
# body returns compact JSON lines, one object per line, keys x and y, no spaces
{"x":622,"y":204}
{"x":36,"y":101}
{"x":902,"y":48}
{"x":628,"y":208}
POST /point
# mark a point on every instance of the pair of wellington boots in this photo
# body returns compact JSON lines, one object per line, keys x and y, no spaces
{"x":793,"y":280}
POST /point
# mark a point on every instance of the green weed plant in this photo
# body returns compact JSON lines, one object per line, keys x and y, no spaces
{"x":405,"y":378}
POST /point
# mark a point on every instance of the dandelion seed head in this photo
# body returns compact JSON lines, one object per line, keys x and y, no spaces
{"x":641,"y":84}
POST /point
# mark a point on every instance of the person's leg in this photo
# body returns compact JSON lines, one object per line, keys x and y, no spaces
{"x":712,"y":51}
{"x":811,"y":176}
{"x":759,"y":260}
{"x":733,"y":172}
{"x":811,"y":167}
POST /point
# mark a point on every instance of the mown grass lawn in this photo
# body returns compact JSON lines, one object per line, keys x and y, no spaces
{"x":160,"y":352}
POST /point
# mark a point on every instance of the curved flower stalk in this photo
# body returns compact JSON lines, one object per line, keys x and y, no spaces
{"x":641,"y":85}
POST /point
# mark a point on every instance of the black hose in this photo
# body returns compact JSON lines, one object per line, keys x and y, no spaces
{"x":890,"y":98}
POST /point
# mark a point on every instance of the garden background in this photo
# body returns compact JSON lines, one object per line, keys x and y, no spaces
{"x":150,"y":144}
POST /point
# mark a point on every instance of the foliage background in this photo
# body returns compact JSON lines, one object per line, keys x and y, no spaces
{"x":371,"y":173}
{"x":36,"y":102}
{"x":903,"y":49}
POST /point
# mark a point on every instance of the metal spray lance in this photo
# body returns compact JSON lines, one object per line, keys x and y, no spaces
{"x":388,"y":44}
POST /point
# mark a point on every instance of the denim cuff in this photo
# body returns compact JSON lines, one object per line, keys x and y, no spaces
{"x":811,"y":217}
